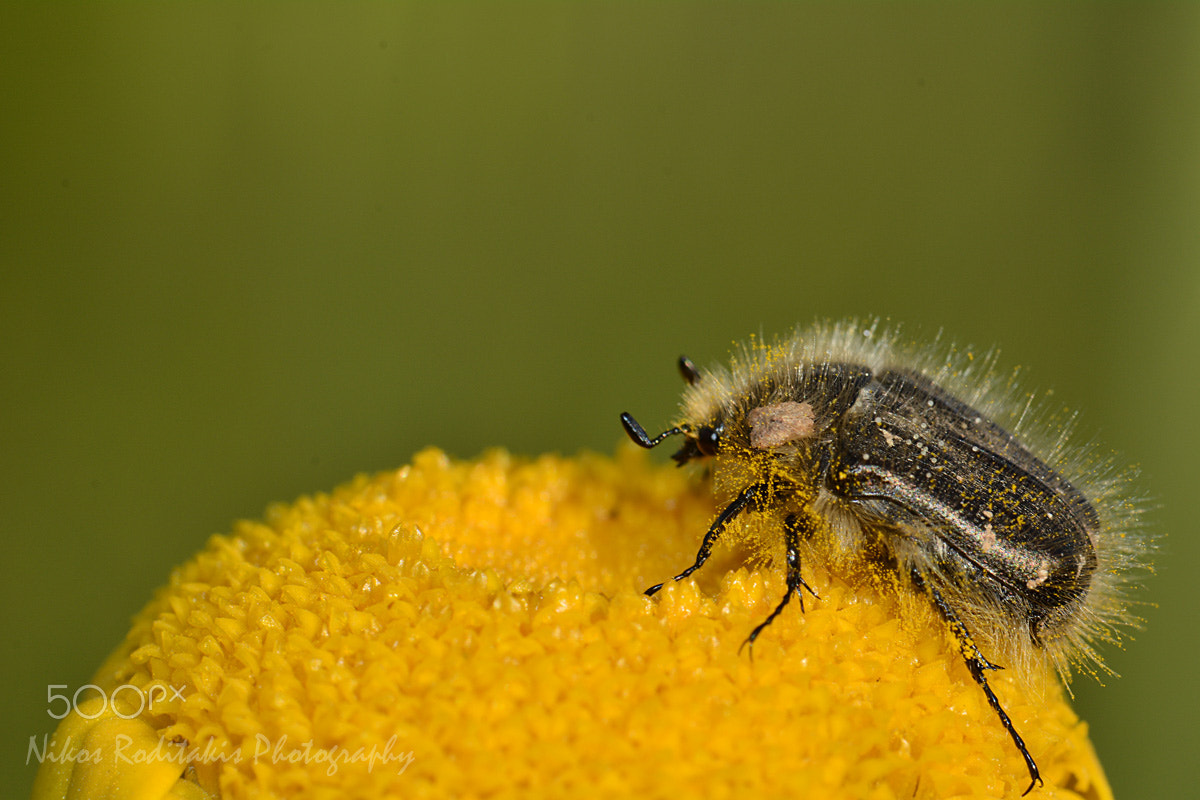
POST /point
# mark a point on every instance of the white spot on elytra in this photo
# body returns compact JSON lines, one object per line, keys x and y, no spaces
{"x":988,"y":540}
{"x":1043,"y":573}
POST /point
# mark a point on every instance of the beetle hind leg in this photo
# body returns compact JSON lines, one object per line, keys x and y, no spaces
{"x":978,"y":665}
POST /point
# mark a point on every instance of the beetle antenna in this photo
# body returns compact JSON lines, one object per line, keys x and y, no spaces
{"x":638,"y":433}
{"x":688,"y":370}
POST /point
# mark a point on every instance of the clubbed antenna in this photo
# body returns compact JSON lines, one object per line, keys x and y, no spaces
{"x":638,"y":433}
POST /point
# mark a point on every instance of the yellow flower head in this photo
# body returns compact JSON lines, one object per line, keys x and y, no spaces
{"x":478,"y":629}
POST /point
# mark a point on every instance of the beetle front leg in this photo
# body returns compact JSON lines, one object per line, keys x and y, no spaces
{"x":739,"y":504}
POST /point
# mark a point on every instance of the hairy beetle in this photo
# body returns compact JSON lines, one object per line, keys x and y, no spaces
{"x":927,"y":468}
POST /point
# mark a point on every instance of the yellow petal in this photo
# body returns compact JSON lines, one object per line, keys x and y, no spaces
{"x":97,"y":755}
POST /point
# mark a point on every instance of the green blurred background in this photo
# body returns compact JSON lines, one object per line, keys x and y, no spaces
{"x":251,"y":250}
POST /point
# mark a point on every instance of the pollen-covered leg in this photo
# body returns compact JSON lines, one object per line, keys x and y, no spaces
{"x":977,"y":665}
{"x":748,"y":496}
{"x":795,"y":528}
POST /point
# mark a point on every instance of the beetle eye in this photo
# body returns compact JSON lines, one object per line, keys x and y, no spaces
{"x":707,"y":439}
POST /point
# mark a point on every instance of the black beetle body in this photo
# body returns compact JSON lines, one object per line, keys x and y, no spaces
{"x":867,"y":449}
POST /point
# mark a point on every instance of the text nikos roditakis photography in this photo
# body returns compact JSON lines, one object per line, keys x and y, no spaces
{"x":90,"y":702}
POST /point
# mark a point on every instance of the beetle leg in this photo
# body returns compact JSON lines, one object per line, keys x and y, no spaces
{"x":739,"y":504}
{"x":794,"y":528}
{"x":977,"y":665}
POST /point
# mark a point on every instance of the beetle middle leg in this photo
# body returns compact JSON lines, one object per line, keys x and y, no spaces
{"x":795,"y":528}
{"x":978,"y":665}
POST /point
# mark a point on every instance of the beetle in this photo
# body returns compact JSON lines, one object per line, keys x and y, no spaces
{"x":921,"y":464}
